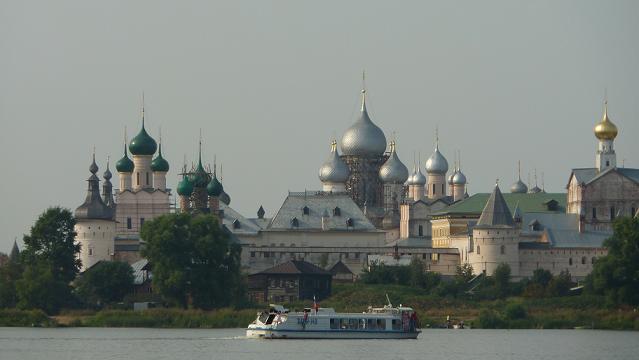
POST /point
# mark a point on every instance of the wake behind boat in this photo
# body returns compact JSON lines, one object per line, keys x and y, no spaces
{"x":387,"y":322}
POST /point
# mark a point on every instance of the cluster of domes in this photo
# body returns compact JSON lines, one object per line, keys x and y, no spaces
{"x":334,"y":170}
{"x":393,"y":170}
{"x":363,"y":138}
{"x":605,"y":129}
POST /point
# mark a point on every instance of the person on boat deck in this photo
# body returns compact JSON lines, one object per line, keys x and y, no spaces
{"x":413,"y":321}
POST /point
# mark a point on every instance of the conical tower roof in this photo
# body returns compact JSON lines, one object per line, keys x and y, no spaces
{"x":496,"y":212}
{"x":14,"y":256}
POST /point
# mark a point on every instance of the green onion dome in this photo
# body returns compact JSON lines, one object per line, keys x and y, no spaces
{"x":159,"y":164}
{"x":185,"y":187}
{"x":143,"y":143}
{"x":124,"y":165}
{"x":200,"y":177}
{"x":214,"y":188}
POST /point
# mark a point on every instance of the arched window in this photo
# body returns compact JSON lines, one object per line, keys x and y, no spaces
{"x":294,"y":222}
{"x":420,"y":230}
{"x":337,"y":211}
{"x":502,"y":249}
{"x":612,"y":213}
{"x":236,"y":224}
{"x":306,"y":210}
{"x":583,"y":260}
{"x":570,"y":261}
{"x":478,"y":250}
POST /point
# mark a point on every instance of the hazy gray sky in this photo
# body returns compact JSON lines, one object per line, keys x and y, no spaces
{"x":270,"y":83}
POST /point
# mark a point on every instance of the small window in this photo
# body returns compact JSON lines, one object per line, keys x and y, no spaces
{"x":306,"y":210}
{"x":349,"y":222}
{"x":570,"y":261}
{"x":433,"y":189}
{"x":137,"y":177}
{"x":502,"y":249}
{"x":607,"y":163}
{"x":90,"y":251}
{"x":147,"y":179}
{"x":420,"y":230}
{"x":236,"y":224}
{"x":252,"y":254}
{"x":594,"y":213}
{"x":141,"y":222}
{"x":337,"y":211}
{"x":294,"y":222}
{"x":443,"y":188}
{"x":612,"y":213}
{"x":583,"y":260}
{"x":128,"y":223}
{"x":478,"y":250}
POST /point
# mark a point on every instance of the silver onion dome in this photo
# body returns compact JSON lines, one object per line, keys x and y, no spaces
{"x":363,"y":138}
{"x":459,"y":178}
{"x":437,"y":163}
{"x":519,"y":187}
{"x":334,"y":170}
{"x":450,"y":179}
{"x":417,"y":178}
{"x":393,"y":170}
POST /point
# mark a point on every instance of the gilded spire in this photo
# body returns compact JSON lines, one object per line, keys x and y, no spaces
{"x":333,"y":146}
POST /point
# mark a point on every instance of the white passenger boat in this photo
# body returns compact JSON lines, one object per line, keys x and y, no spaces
{"x":387,"y":322}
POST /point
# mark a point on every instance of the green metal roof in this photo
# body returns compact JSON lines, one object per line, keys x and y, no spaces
{"x":527,"y":203}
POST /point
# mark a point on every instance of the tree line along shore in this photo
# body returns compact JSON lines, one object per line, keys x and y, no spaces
{"x":198,"y":283}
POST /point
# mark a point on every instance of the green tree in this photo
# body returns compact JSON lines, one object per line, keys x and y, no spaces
{"x":39,"y":289}
{"x":502,"y":280}
{"x":9,"y":274}
{"x":193,"y":258}
{"x":541,"y":277}
{"x":464,"y":272}
{"x":52,"y":242}
{"x":49,"y":261}
{"x":616,"y":275}
{"x":560,"y":285}
{"x":417,"y":277}
{"x":106,"y":282}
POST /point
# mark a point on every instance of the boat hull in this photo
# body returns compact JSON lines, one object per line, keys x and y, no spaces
{"x":324,"y":334}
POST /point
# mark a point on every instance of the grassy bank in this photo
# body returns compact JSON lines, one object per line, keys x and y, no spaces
{"x":512,"y":313}
{"x":165,"y":318}
{"x":30,"y":318}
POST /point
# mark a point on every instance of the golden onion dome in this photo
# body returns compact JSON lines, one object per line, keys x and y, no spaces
{"x":605,"y":129}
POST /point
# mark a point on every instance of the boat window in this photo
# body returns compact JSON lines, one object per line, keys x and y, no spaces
{"x":264,"y":317}
{"x":372,"y":324}
{"x":381,"y":324}
{"x":343,"y":324}
{"x":397,"y":324}
{"x":362,"y":323}
{"x":334,"y":323}
{"x":353,"y":324}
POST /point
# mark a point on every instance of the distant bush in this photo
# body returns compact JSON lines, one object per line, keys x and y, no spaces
{"x":515,"y":312}
{"x":490,"y":319}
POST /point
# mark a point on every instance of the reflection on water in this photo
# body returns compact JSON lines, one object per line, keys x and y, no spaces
{"x":155,"y":344}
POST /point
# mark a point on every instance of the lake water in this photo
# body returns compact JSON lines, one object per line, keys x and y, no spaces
{"x":156,"y":344}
